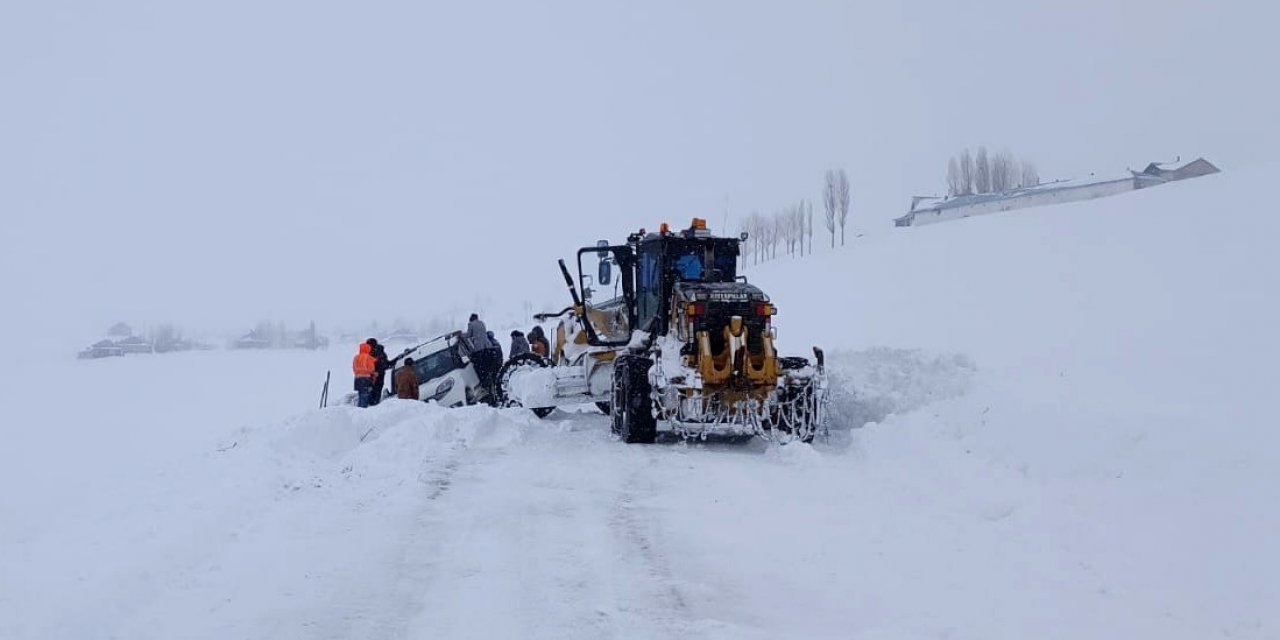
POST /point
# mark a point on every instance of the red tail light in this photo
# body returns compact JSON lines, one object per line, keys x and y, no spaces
{"x":765,"y":309}
{"x":695,"y":309}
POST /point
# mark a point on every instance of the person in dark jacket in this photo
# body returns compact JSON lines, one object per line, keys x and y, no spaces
{"x":381,"y":364}
{"x":485,"y":355}
{"x":477,"y":335}
{"x":498,"y":346}
{"x":406,"y":381}
{"x":538,"y":342}
{"x":519,"y":345}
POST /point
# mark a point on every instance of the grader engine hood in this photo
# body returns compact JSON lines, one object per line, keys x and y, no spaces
{"x":723,"y":298}
{"x":728,"y":333}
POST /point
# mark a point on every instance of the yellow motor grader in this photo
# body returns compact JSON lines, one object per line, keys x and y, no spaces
{"x":668,"y":338}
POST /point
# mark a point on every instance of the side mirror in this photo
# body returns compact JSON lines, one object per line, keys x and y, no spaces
{"x":606,"y":272}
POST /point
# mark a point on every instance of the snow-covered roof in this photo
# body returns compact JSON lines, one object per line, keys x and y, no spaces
{"x":1177,"y":169}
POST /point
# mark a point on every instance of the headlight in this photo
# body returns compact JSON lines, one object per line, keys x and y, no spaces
{"x":445,"y":387}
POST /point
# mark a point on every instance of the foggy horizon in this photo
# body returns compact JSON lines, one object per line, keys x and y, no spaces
{"x":214,"y":166}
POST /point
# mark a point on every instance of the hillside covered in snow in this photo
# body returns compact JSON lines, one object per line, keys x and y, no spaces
{"x":1056,"y":424}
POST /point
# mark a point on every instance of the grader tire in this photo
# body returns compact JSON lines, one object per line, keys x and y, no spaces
{"x":632,"y":406}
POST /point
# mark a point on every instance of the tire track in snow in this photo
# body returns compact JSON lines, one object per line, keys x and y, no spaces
{"x":386,"y":610}
{"x":668,"y":608}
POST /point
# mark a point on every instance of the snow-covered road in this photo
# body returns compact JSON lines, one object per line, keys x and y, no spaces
{"x":410,"y":521}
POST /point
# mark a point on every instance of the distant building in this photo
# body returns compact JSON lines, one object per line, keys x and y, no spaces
{"x":930,"y":209}
{"x":134,"y":344}
{"x":252,"y":340}
{"x":307,"y":340}
{"x":1168,"y":172}
{"x":174,"y":346}
{"x":101,"y":349}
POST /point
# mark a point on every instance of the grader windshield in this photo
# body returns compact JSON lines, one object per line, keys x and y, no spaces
{"x":626,"y":287}
{"x":664,"y":260}
{"x":606,"y":277}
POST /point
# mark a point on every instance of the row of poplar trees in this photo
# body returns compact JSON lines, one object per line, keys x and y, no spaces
{"x":790,"y":227}
{"x":968,"y":175}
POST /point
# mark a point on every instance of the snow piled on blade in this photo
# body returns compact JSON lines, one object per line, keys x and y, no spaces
{"x":533,"y":387}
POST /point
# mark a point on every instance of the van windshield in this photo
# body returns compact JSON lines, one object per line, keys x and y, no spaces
{"x":437,"y":364}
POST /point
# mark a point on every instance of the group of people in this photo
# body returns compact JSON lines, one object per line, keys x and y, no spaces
{"x":486,"y":353}
{"x":370,"y":365}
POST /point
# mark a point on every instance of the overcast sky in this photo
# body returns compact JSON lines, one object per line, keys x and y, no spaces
{"x":222,"y":162}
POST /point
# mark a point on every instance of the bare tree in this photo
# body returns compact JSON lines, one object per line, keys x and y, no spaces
{"x":998,"y":173}
{"x":762,"y":234}
{"x":775,"y":233}
{"x":982,"y":172}
{"x":842,"y":201}
{"x":829,"y":200}
{"x":797,"y":221}
{"x":966,"y":173}
{"x":780,"y":219}
{"x":777,"y":228}
{"x":787,"y":224}
{"x":809,"y":224}
{"x":1030,"y":175}
{"x":1002,"y":172}
{"x":989,"y":174}
{"x":755,"y":235}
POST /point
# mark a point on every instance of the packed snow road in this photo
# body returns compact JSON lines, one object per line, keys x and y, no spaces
{"x":407,"y":520}
{"x":411,"y":521}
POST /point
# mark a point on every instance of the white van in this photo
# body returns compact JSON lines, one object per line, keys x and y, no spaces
{"x":445,"y":373}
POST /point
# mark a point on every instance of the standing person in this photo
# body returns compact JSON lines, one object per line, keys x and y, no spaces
{"x":406,"y":381}
{"x":519,"y":345}
{"x":364,"y":367}
{"x":498,"y":347}
{"x":381,"y":364}
{"x":538,"y":342}
{"x":476,"y":335}
{"x":477,"y":339}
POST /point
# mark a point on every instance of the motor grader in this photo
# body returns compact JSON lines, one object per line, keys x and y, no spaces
{"x":666,"y":337}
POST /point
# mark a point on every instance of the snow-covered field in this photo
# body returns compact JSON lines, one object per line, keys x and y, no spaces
{"x":1071,"y":436}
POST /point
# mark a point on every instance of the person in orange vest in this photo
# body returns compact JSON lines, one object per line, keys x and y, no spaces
{"x":364,"y":366}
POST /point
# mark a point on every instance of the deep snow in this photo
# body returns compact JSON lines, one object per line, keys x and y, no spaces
{"x":1070,"y":437}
